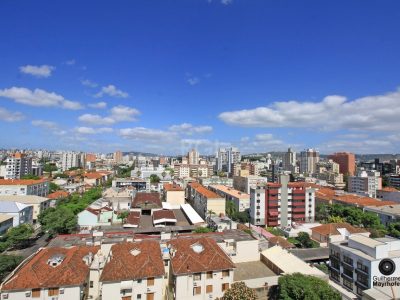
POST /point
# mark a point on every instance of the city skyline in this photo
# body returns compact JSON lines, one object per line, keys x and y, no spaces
{"x":260,"y":76}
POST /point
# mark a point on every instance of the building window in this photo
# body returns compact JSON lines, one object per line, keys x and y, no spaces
{"x":335,"y":276}
{"x":347,"y":272}
{"x":348,"y":284}
{"x":225,"y":273}
{"x":359,"y":291}
{"x":347,"y":260}
{"x":91,"y":284}
{"x":36,"y":293}
{"x":197,"y":276}
{"x":209,"y":275}
{"x":362,"y":278}
{"x":225,"y":286}
{"x":362,"y":267}
{"x":139,"y":297}
{"x":150,"y":281}
{"x":139,"y":281}
{"x":53,"y":291}
{"x":197,"y":290}
{"x":166,"y":263}
{"x":209,"y":289}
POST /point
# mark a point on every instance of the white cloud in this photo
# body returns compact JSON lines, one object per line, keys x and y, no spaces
{"x":96,"y":119}
{"x":101,"y":104}
{"x":38,"y":97}
{"x":117,"y":114}
{"x":48,"y":125}
{"x":89,"y":83}
{"x":361,"y":146}
{"x":189,"y":129}
{"x":91,"y":130}
{"x":122,"y":113}
{"x":147,"y":134}
{"x":37,"y":71}
{"x":226,"y":2}
{"x":112,"y":91}
{"x":9,"y":116}
{"x":380,"y":113}
{"x":70,"y":62}
{"x":193,"y":80}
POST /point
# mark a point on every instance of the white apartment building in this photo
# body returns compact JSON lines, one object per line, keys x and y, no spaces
{"x":226,"y":157}
{"x":203,"y":200}
{"x":18,"y":165}
{"x":365,"y":183}
{"x":52,"y":273}
{"x":200,"y":269}
{"x":23,"y":187}
{"x":308,"y":161}
{"x":358,"y":261}
{"x":245,"y":183}
{"x":21,"y":213}
{"x":289,"y":161}
{"x":134,"y":270}
{"x":72,"y":160}
{"x":193,"y":157}
{"x":187,"y":170}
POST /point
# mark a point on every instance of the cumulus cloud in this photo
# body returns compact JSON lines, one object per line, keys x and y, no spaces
{"x":147,"y":134}
{"x":101,"y":104}
{"x":189,"y":129}
{"x":380,"y":112}
{"x":226,"y":2}
{"x":89,"y":83}
{"x":50,"y":126}
{"x":39,"y":97}
{"x":193,"y":80}
{"x":91,"y":130}
{"x":111,"y":90}
{"x":42,"y":71}
{"x":117,"y":114}
{"x":9,"y":116}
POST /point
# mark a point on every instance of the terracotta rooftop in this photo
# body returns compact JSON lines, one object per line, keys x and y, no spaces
{"x":193,"y":255}
{"x":38,"y":273}
{"x":57,"y":195}
{"x":284,"y":243}
{"x":172,"y":187}
{"x":231,"y":191}
{"x":98,"y":210}
{"x":203,"y":190}
{"x":21,"y":181}
{"x":326,"y":194}
{"x":332,"y":229}
{"x":133,"y":218}
{"x":147,"y":200}
{"x":360,"y":200}
{"x":163,"y":214}
{"x":94,"y":175}
{"x":134,"y":260}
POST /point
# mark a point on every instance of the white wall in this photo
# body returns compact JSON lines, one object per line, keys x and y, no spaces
{"x":70,"y":293}
{"x":112,"y":290}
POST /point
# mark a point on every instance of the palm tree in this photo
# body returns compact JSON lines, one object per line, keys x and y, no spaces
{"x":210,"y":212}
{"x":163,"y":174}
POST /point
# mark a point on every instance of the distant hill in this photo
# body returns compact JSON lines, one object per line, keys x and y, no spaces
{"x":135,"y":153}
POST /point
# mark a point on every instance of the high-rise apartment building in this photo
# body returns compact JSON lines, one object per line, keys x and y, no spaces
{"x":289,"y":161}
{"x":346,"y":161}
{"x":281,"y":204}
{"x":117,"y":156}
{"x":226,"y":157}
{"x":308,"y":161}
{"x":365,"y":182}
{"x":18,"y":165}
{"x":72,"y":160}
{"x":193,"y":157}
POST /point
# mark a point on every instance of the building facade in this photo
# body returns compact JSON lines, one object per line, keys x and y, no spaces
{"x":226,"y":157}
{"x":365,"y":182}
{"x":308,"y":161}
{"x":23,"y":187}
{"x":18,"y":165}
{"x":346,"y":161}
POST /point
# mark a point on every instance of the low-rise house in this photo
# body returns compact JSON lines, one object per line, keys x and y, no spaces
{"x":146,"y":203}
{"x":240,"y":199}
{"x":39,"y":204}
{"x":6,"y":222}
{"x":133,"y":220}
{"x":135,"y":270}
{"x":89,"y":218}
{"x":173,"y":194}
{"x":137,"y":183}
{"x":21,"y":213}
{"x":334,"y":232}
{"x":96,"y":178}
{"x":52,"y":273}
{"x":39,"y":187}
{"x":280,"y":241}
{"x":203,"y":200}
{"x":221,"y":223}
{"x":200,"y":269}
{"x":387,"y":213}
{"x":58,"y":195}
{"x":162,"y":218}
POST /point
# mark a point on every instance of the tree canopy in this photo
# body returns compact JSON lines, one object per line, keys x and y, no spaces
{"x":8,"y":263}
{"x":298,"y":287}
{"x":239,"y":291}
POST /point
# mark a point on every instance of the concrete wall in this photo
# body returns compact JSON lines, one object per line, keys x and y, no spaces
{"x":70,"y":293}
{"x":112,"y":290}
{"x":175,"y":197}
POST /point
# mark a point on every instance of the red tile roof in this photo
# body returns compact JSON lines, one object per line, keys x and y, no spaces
{"x":133,"y":218}
{"x":22,"y":181}
{"x":37,"y":273}
{"x":187,"y":261}
{"x":390,"y":189}
{"x":360,"y":200}
{"x":124,"y":265}
{"x":284,"y":243}
{"x":57,"y":195}
{"x":332,"y":229}
{"x":172,"y":187}
{"x":151,"y":200}
{"x":203,"y":190}
{"x":97,"y":211}
{"x":163,"y":214}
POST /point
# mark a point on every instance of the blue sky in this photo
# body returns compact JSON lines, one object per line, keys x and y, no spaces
{"x":164,"y":76}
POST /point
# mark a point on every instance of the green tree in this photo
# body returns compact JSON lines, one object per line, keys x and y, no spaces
{"x":60,"y":220}
{"x":230,"y":208}
{"x":138,"y":173}
{"x":53,"y":187}
{"x":203,"y":230}
{"x":298,"y":287}
{"x":394,"y":229}
{"x":305,"y":240}
{"x":241,"y":216}
{"x":123,"y":215}
{"x":163,"y":174}
{"x":154,"y":178}
{"x":239,"y":291}
{"x":49,"y":168}
{"x":336,"y":219}
{"x":30,"y":176}
{"x":19,"y":235}
{"x":8,"y":263}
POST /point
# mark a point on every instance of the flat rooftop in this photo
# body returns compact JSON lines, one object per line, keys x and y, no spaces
{"x":252,"y":270}
{"x":231,"y":191}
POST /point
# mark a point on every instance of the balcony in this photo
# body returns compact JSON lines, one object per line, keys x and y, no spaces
{"x":273,"y":204}
{"x":298,"y":209}
{"x":348,"y":277}
{"x":359,"y":271}
{"x":347,"y":265}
